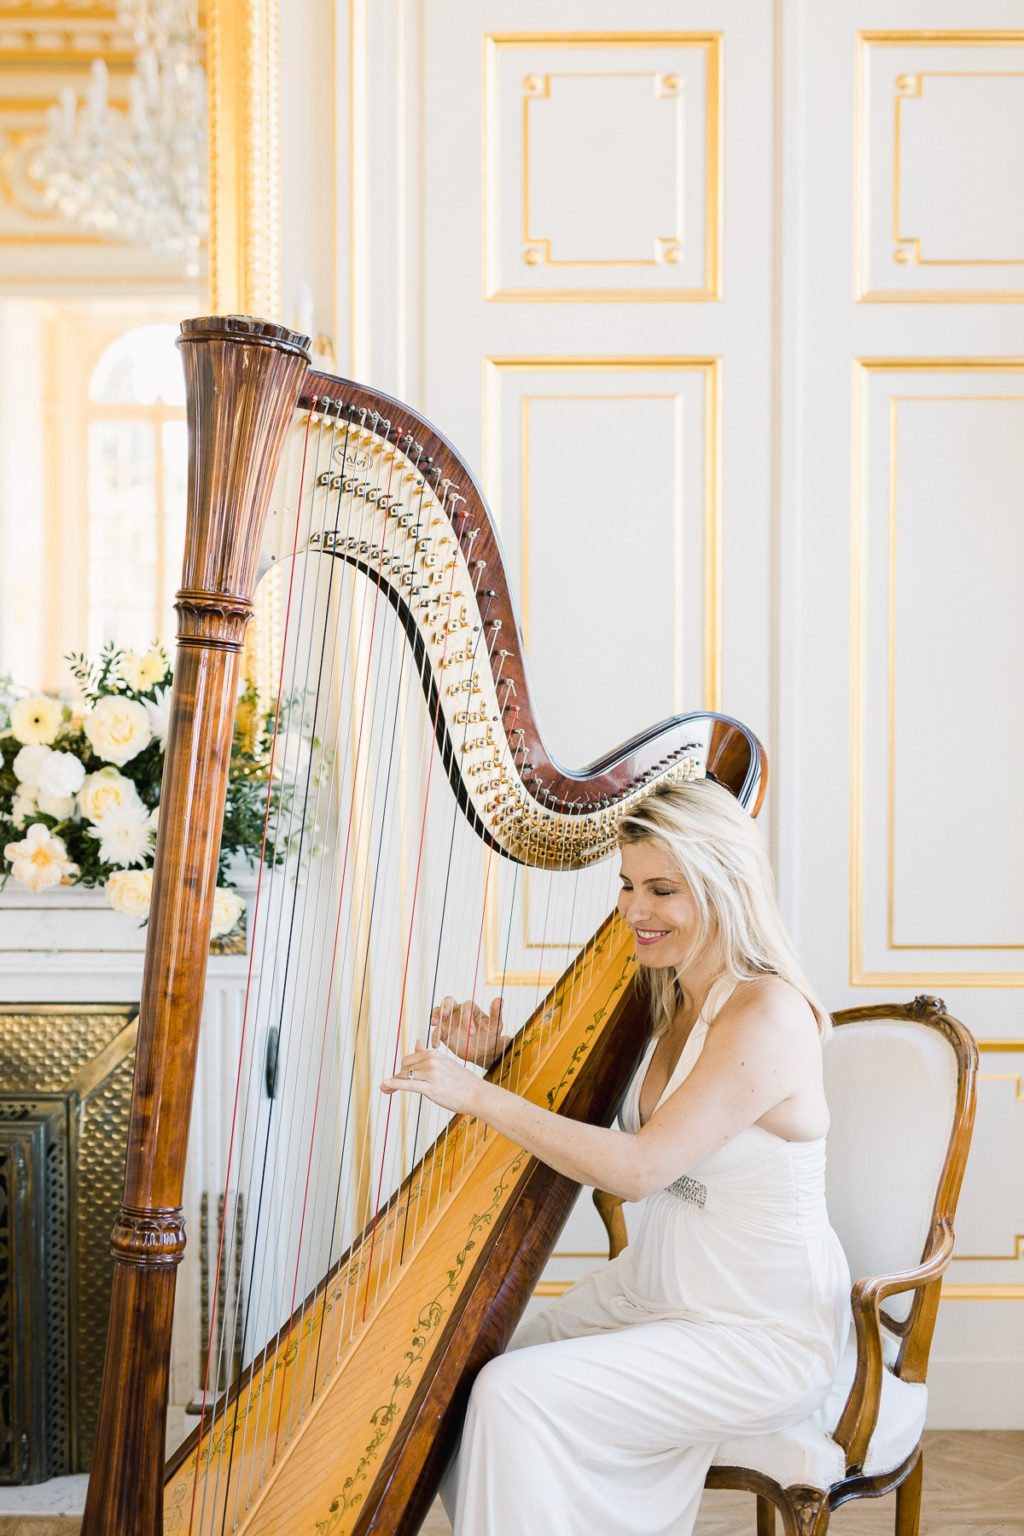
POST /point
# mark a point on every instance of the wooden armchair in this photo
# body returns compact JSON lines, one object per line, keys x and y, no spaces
{"x":901,"y":1087}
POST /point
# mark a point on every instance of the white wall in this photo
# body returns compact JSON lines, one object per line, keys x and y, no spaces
{"x":831,"y":546}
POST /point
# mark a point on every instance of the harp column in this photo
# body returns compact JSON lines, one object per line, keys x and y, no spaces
{"x":243,"y":380}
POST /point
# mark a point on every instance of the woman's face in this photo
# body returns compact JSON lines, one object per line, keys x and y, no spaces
{"x":657,"y":904}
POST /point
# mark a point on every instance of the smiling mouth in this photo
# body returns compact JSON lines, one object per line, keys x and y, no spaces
{"x":650,"y":935}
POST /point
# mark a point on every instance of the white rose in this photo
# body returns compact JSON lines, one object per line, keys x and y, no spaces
{"x":41,"y":859}
{"x":118,"y":729}
{"x":158,"y":711}
{"x":61,"y":774}
{"x":24,"y":804}
{"x":154,"y":818}
{"x":227,"y":909}
{"x":129,"y":892}
{"x":29,"y":764}
{"x":106,"y":790}
{"x":58,"y":806}
{"x":37,"y":720}
{"x":125,"y":835}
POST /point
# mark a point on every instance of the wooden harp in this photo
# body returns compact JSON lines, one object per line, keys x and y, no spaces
{"x":355,"y":1363}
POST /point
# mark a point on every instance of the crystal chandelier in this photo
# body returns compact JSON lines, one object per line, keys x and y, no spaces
{"x":138,"y":176}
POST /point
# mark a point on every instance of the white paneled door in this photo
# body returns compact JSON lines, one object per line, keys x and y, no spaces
{"x":722,"y":303}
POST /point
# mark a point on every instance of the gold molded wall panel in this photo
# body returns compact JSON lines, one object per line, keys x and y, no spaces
{"x":582,"y":111}
{"x":990,"y":1224}
{"x":940,"y":154}
{"x":245,"y":220}
{"x":937,"y":888}
{"x":568,"y":516}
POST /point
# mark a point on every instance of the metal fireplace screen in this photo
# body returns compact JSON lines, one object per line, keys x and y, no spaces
{"x":65,"y":1091}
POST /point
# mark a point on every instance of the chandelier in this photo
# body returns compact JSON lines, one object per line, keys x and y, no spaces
{"x":137,"y":175}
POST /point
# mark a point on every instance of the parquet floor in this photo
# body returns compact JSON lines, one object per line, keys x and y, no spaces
{"x":973,"y":1486}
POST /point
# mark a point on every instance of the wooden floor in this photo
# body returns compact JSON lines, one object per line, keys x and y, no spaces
{"x":973,"y":1486}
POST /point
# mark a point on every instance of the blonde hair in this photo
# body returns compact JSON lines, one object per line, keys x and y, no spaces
{"x":719,"y":853}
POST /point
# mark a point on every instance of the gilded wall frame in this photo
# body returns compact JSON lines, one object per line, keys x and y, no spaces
{"x":245,"y":211}
{"x":245,"y":215}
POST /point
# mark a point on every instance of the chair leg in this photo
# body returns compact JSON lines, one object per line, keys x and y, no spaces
{"x":908,"y":1500}
{"x":806,"y":1512}
{"x":765,"y":1516}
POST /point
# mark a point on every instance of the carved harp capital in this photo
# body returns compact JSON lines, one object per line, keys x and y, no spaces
{"x":149,"y":1239}
{"x":242,"y":378}
{"x":213,"y":620}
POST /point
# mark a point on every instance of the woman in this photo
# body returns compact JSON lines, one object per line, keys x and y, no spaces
{"x":728,"y":1312}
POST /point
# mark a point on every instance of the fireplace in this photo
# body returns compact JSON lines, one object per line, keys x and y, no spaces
{"x":65,"y":1092}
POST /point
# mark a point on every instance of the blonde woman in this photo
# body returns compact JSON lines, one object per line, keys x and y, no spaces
{"x":728,"y":1312}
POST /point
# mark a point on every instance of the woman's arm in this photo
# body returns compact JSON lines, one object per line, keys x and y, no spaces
{"x":752,"y":1060}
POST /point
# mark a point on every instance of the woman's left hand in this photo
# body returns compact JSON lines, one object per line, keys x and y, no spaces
{"x":437,"y":1077}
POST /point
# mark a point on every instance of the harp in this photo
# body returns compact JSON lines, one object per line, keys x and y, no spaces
{"x":374,"y":1292}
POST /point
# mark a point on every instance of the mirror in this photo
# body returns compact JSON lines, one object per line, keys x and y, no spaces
{"x":102,"y":251}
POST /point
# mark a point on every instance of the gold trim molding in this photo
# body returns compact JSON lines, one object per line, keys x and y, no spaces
{"x":711,"y":367}
{"x":245,"y":219}
{"x":245,"y":213}
{"x":859,"y":976}
{"x":906,"y":249}
{"x":535,"y":250}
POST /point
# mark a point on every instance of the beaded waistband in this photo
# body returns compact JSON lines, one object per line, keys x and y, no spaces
{"x":690,"y":1190}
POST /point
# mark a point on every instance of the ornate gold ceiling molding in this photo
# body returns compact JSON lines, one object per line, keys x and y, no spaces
{"x":37,"y":33}
{"x":244,"y":159}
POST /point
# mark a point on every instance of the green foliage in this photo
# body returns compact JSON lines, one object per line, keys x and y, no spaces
{"x":252,"y":799}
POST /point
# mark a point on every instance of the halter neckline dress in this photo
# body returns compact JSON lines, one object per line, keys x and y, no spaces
{"x":726,"y":1315}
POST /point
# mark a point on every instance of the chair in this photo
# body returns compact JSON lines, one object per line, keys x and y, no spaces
{"x":901,"y":1086}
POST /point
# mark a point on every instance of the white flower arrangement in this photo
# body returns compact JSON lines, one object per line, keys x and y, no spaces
{"x":80,"y":787}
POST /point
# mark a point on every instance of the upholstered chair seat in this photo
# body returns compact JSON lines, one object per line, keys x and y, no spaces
{"x":807,"y":1454}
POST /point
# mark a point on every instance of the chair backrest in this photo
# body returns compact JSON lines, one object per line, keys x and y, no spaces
{"x":900,"y":1084}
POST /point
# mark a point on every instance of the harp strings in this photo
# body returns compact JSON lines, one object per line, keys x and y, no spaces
{"x":314,"y":1164}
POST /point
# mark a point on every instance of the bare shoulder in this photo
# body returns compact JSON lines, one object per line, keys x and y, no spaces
{"x":767,"y":1015}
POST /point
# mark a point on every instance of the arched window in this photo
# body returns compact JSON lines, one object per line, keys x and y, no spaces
{"x":137,"y":466}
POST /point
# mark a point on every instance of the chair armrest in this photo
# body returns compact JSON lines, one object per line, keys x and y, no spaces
{"x":860,"y":1412}
{"x":609,"y":1208}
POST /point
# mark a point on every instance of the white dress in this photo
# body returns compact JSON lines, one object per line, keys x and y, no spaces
{"x":726,"y":1315}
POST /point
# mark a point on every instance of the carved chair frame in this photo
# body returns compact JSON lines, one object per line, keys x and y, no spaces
{"x":805,"y":1511}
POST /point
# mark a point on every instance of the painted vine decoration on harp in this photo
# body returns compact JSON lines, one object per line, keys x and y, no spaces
{"x":386,"y":1253}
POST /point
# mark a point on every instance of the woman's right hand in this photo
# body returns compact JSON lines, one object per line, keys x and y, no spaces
{"x":470,"y":1032}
